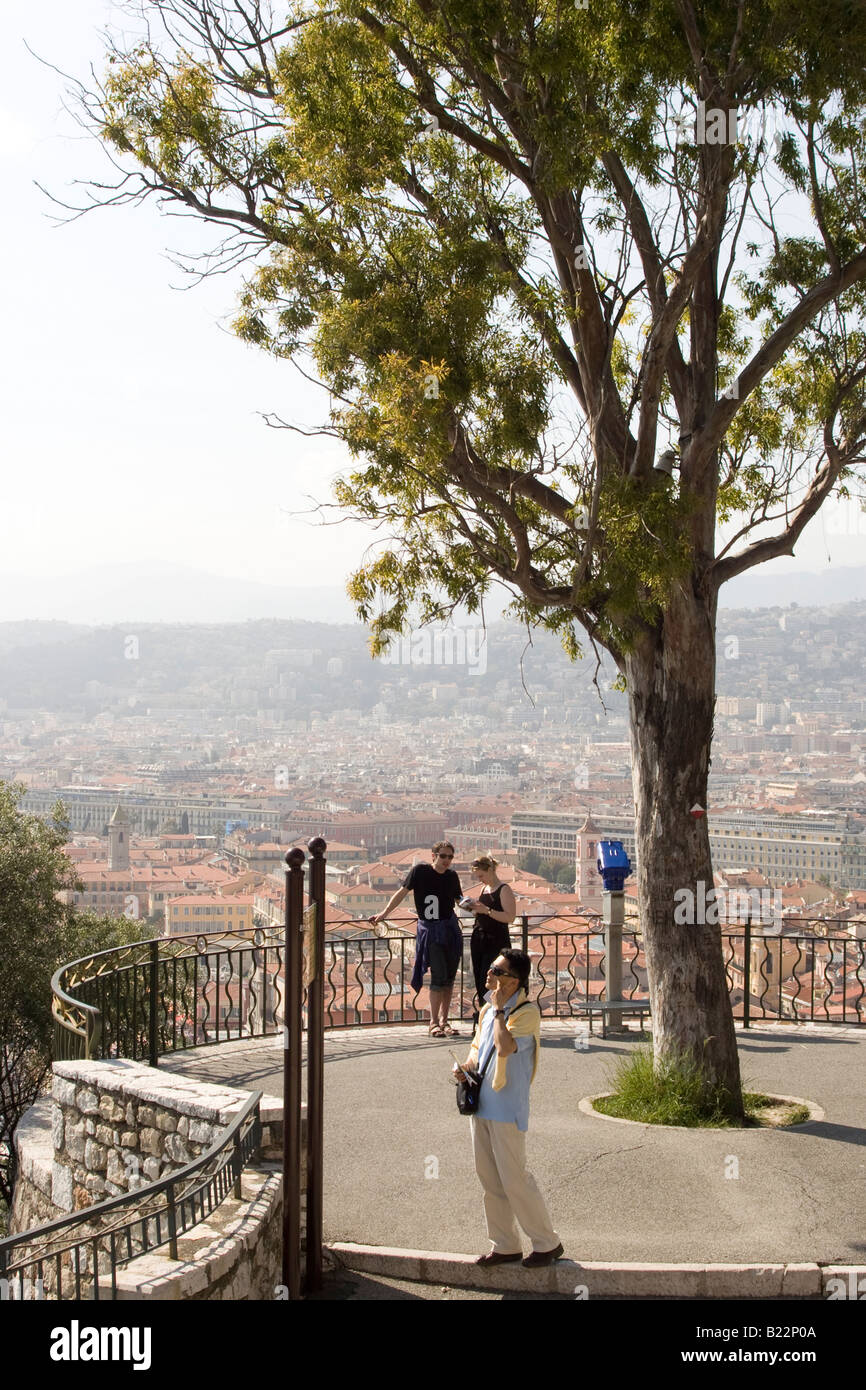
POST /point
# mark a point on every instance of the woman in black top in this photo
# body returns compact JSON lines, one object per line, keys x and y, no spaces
{"x":494,"y":908}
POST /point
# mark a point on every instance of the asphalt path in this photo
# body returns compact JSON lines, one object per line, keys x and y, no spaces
{"x":398,"y":1160}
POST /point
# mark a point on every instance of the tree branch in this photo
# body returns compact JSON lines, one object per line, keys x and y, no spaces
{"x":775,"y":348}
{"x":653,"y":270}
{"x":721,"y":570}
{"x":425,"y":91}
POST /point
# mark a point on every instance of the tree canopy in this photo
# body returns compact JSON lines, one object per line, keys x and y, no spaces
{"x":528,"y":248}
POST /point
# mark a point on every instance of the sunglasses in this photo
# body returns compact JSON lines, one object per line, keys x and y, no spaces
{"x":445,"y":856}
{"x":495,"y":970}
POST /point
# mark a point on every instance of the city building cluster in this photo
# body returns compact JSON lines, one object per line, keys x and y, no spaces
{"x":189,"y":759}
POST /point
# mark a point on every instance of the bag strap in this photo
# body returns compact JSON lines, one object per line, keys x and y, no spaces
{"x":483,"y":1070}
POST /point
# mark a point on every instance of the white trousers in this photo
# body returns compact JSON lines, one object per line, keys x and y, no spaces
{"x":510,"y":1190}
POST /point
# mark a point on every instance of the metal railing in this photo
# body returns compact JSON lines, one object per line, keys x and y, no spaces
{"x":78,"y":1256}
{"x":173,"y":994}
{"x":166,"y":995}
{"x":801,"y":979}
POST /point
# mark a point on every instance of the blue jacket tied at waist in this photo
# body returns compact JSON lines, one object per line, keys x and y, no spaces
{"x":438,"y":933}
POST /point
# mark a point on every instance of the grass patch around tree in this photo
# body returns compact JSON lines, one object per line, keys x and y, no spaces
{"x":679,"y":1094}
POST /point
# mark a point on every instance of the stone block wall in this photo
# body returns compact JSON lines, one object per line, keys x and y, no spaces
{"x":236,"y":1254}
{"x":118,"y":1125}
{"x":112,"y":1127}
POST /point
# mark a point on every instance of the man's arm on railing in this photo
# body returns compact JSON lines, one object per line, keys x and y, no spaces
{"x":395,"y":902}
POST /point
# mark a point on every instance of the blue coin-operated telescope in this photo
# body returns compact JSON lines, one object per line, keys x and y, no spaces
{"x":613,"y":865}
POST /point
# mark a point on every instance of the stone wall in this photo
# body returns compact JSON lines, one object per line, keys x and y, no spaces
{"x":34,"y":1149}
{"x":119,"y":1125}
{"x":236,"y":1254}
{"x":112,"y":1127}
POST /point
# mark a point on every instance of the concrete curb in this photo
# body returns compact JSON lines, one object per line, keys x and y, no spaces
{"x":586,"y":1107}
{"x":599,"y":1280}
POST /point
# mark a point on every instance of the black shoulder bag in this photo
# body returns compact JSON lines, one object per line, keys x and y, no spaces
{"x":469,"y":1091}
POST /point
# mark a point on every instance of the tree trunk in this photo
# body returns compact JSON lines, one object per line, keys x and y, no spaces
{"x":671,"y":685}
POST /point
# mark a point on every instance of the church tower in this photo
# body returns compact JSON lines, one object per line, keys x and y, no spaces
{"x":118,"y":840}
{"x":587,"y":880}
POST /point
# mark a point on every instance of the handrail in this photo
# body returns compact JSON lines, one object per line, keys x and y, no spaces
{"x":172,"y":993}
{"x":89,"y":1016}
{"x":157,"y":1225}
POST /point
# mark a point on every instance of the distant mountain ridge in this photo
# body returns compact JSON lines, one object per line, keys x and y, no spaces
{"x":290,"y":669}
{"x":141,"y":592}
{"x":808,"y":589}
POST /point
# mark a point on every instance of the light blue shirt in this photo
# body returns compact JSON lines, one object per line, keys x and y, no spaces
{"x":511,"y":1104}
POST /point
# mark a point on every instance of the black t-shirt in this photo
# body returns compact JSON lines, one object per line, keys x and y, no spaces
{"x":435,"y":894}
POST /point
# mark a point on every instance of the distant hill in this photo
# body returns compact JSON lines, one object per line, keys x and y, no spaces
{"x":145,"y":593}
{"x":299,"y":668}
{"x":847,"y":584}
{"x":141,"y":593}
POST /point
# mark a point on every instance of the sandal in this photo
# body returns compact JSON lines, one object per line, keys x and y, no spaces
{"x":449,"y":1032}
{"x":434,"y":1031}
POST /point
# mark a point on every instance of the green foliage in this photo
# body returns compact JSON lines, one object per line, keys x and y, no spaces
{"x":530,"y":861}
{"x":674,"y":1092}
{"x":425,"y":271}
{"x":38,"y":933}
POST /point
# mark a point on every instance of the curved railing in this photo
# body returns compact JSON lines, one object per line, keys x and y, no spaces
{"x":166,"y":995}
{"x":172,"y":994}
{"x":78,"y":1256}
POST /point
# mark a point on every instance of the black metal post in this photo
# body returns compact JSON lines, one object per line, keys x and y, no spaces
{"x":171,"y":1214}
{"x":747,"y":965}
{"x":237,"y":1190}
{"x":315,"y":1064}
{"x":524,"y":933}
{"x":154,"y":977}
{"x":292,"y":1073}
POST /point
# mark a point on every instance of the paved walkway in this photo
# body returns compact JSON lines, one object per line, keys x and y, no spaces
{"x":399,"y":1172}
{"x":350,"y":1286}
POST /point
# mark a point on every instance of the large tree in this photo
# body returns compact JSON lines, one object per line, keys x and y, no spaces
{"x":583,"y":281}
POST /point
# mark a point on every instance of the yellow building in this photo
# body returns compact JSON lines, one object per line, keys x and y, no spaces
{"x":202,"y":912}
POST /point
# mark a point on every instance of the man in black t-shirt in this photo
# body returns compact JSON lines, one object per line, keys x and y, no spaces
{"x":435,"y":892}
{"x":438,"y":940}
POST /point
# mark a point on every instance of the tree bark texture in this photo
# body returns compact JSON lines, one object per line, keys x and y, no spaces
{"x":671,"y":683}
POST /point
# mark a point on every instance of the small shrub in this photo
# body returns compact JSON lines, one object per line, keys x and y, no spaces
{"x":678,"y":1093}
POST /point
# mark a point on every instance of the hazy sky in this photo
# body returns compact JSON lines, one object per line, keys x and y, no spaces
{"x":129,"y":411}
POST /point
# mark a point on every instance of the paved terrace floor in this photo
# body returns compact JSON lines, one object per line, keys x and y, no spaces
{"x":616,"y":1192}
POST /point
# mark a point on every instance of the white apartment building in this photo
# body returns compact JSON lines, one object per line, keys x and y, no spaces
{"x":91,"y":808}
{"x":782,"y":847}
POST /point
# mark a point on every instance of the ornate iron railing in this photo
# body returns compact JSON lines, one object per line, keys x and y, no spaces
{"x":78,"y":1256}
{"x":168,"y":994}
{"x":172,"y":994}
